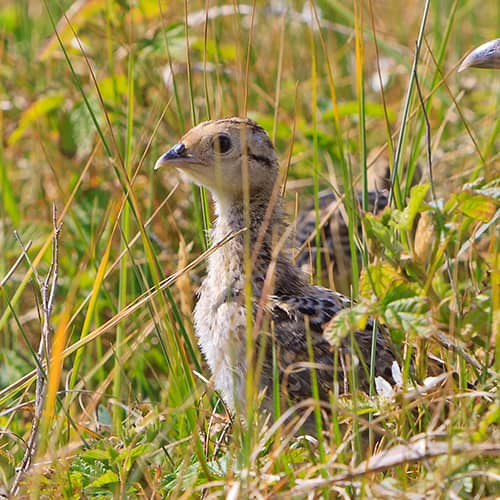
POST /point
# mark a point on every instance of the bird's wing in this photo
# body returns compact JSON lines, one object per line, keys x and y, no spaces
{"x":319,"y":304}
{"x":301,"y":319}
{"x":334,"y":249}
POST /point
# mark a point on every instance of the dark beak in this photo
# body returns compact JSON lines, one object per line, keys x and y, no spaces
{"x":484,"y":56}
{"x":173,"y":156}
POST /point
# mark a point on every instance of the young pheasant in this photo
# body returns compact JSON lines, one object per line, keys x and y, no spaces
{"x":235,"y":159}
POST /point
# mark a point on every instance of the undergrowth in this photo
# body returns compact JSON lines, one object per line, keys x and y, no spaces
{"x":93,"y":93}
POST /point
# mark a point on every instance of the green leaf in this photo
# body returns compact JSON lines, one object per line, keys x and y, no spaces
{"x":37,"y":110}
{"x":477,"y":206}
{"x":82,"y":126}
{"x":378,"y":279}
{"x":113,"y":87}
{"x":410,"y":315}
{"x":345,"y":322}
{"x":129,"y":456}
{"x":402,"y":290}
{"x":109,"y":477}
{"x":382,"y":236}
{"x":96,"y":454}
{"x":404,"y":219}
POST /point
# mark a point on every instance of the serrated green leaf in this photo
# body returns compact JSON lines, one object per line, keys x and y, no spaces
{"x":378,"y":279}
{"x":477,"y":206}
{"x":410,"y":315}
{"x":345,"y":322}
{"x":402,"y":290}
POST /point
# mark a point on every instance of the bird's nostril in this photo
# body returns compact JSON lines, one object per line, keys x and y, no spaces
{"x":179,"y":148}
{"x":175,"y":153}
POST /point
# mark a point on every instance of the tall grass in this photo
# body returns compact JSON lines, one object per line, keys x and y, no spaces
{"x":94,"y":92}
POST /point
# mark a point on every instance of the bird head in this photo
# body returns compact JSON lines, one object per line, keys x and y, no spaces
{"x":226,"y":156}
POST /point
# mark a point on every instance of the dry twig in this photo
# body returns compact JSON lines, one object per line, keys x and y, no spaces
{"x":47,"y":287}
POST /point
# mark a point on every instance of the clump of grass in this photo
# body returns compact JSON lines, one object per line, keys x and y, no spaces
{"x":93,"y":92}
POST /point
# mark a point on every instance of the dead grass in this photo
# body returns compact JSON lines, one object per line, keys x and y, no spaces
{"x":93,"y":92}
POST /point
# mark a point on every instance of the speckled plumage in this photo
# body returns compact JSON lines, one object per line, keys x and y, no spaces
{"x":335,"y":252}
{"x":285,"y":307}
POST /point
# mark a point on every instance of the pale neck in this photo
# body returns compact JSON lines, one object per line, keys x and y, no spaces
{"x":264,"y":229}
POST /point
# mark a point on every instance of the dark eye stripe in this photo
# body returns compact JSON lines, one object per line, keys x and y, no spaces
{"x":262,"y":159}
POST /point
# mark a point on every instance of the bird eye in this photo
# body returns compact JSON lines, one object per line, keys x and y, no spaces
{"x":222,"y":143}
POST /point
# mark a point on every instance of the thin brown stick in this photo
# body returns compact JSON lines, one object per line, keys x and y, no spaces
{"x":47,"y":288}
{"x":419,"y":450}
